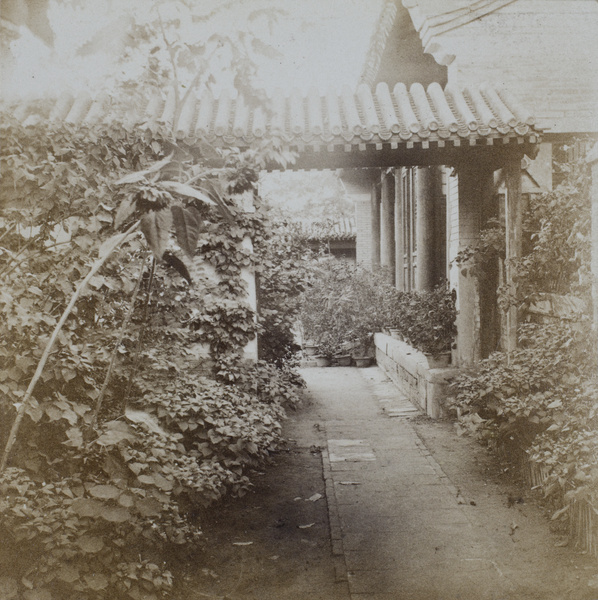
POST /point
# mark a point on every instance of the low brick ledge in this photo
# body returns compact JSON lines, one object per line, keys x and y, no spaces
{"x":408,"y":368}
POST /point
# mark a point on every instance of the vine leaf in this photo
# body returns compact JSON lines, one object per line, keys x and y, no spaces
{"x":90,"y":544}
{"x":140,"y":175}
{"x":187,"y":223}
{"x":155,"y":226}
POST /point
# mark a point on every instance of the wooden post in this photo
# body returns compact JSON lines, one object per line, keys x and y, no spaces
{"x":468,"y":302}
{"x":375,"y":206}
{"x":427,"y":198}
{"x":592,"y":159}
{"x":513,"y":223}
{"x":387,"y":238}
{"x":399,"y":239}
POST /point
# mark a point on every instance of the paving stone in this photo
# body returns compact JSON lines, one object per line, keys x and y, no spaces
{"x":395,"y":517}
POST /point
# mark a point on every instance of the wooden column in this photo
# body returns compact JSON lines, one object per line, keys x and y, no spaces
{"x":468,"y":303}
{"x":593,"y":161}
{"x":387,"y":226}
{"x":399,"y":239}
{"x":513,"y":223}
{"x":426,"y":196}
{"x":375,"y":206}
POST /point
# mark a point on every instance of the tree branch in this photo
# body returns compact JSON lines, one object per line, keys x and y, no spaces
{"x":12,"y":437}
{"x":123,"y":329}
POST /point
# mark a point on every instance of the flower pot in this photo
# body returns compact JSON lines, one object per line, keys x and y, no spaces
{"x":343,"y":361}
{"x":310,"y":350}
{"x":322,"y":361}
{"x":362,"y":361}
{"x":439,"y":361}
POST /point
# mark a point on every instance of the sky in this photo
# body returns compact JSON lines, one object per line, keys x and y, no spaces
{"x":322,"y":43}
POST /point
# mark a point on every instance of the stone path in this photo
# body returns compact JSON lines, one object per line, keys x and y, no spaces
{"x":400,"y":529}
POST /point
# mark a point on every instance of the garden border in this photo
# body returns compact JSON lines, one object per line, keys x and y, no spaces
{"x":408,"y":368}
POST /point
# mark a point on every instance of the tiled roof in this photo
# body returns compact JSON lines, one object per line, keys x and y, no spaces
{"x":378,"y":42}
{"x":366,"y":117}
{"x":342,"y":229}
{"x":433,"y":17}
{"x":543,"y":52}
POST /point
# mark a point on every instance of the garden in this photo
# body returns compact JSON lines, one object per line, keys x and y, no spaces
{"x":126,"y":406}
{"x":538,"y":406}
{"x":345,"y":304}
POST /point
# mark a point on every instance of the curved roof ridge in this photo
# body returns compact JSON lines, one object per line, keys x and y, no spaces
{"x":377,"y":44}
{"x":429,"y":23}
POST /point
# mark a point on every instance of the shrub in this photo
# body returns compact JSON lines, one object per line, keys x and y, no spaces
{"x":426,"y":319}
{"x":282,"y":264}
{"x":342,"y":306}
{"x":124,"y":435}
{"x":347,"y":304}
{"x":542,"y":399}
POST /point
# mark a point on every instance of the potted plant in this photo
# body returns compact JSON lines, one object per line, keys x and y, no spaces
{"x":310,"y":348}
{"x":432,"y":329}
{"x":325,"y":351}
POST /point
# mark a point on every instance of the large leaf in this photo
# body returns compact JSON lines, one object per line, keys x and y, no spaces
{"x":37,"y":594}
{"x":116,"y":432}
{"x":148,"y":507}
{"x":178,"y":265}
{"x":108,"y":245}
{"x":9,"y":588}
{"x":155,"y":226}
{"x":265,"y":49}
{"x":187,"y":224}
{"x":147,"y":420}
{"x":125,"y":209}
{"x":115,"y":514}
{"x":68,"y":573}
{"x":96,"y":581}
{"x":186,"y":190}
{"x":140,"y":175}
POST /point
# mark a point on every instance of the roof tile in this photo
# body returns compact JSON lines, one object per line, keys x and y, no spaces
{"x":414,"y":115}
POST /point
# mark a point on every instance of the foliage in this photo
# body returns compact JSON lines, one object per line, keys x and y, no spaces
{"x":283,"y":258}
{"x":425,"y":319}
{"x":559,"y":227}
{"x":478,"y":261}
{"x":342,"y":306}
{"x":542,"y":399}
{"x":346,"y":304}
{"x":308,"y":197}
{"x":99,"y":491}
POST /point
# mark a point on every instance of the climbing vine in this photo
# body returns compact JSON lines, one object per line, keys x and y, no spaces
{"x":542,"y":399}
{"x":121,"y":263}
